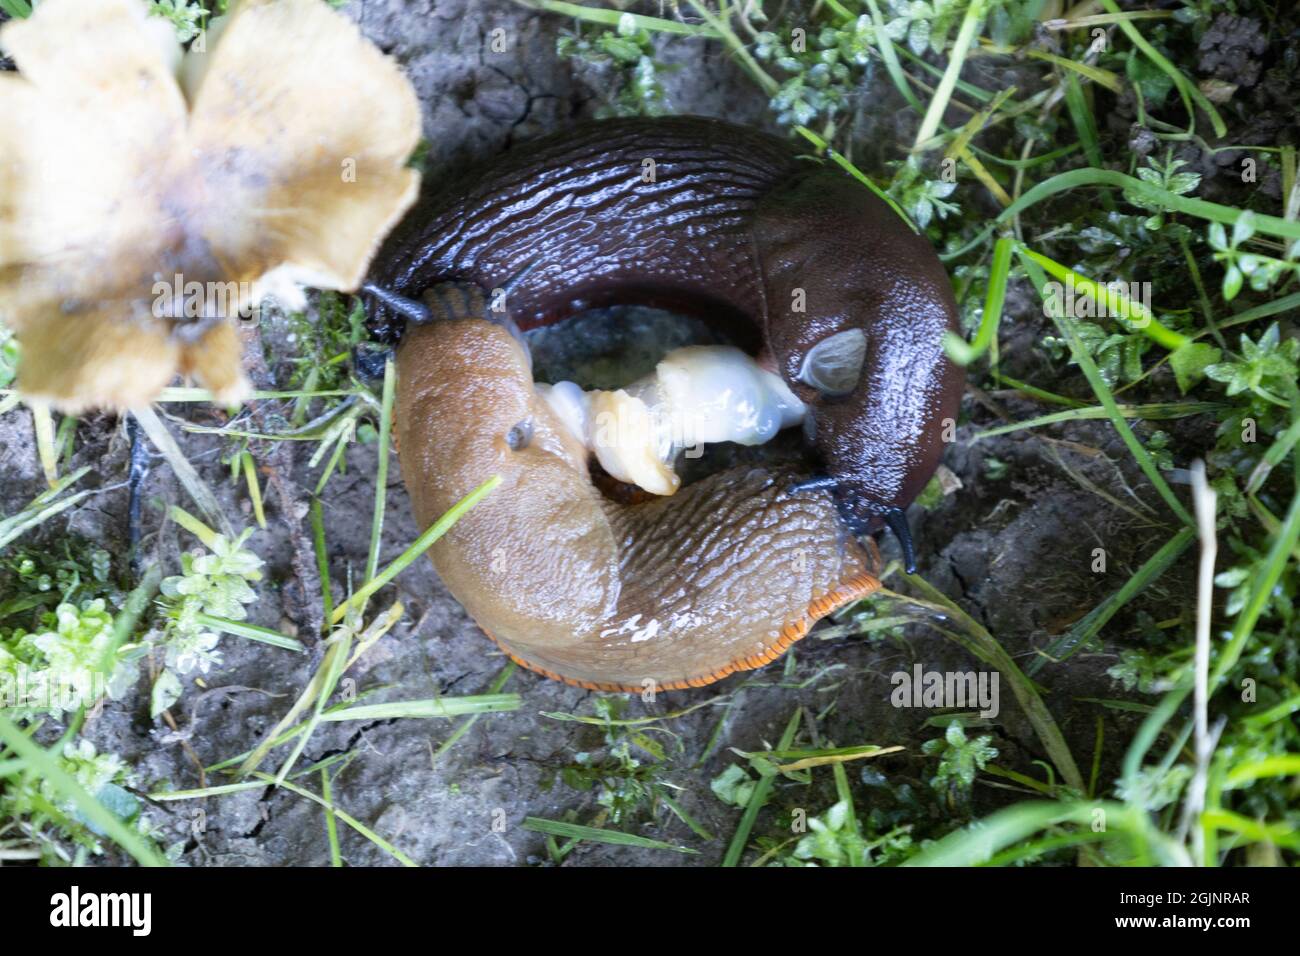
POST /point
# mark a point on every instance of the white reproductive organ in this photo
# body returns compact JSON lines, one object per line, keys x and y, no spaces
{"x":697,"y":395}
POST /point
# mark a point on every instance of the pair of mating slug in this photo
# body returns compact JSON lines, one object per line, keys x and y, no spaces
{"x":844,"y":306}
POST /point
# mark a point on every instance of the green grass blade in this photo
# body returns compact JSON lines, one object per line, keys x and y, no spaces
{"x":347,"y":818}
{"x":322,"y":557}
{"x":331,"y":819}
{"x":616,"y":837}
{"x":1092,"y":623}
{"x":263,"y":635}
{"x":1158,"y":411}
{"x":1186,"y":88}
{"x":43,"y":507}
{"x":985,"y":647}
{"x":254,"y":487}
{"x":1103,"y":392}
{"x":758,"y":798}
{"x":381,"y":475}
{"x":856,"y":173}
{"x":1261,"y":589}
{"x":611,"y":18}
{"x":1133,"y":315}
{"x":198,"y":490}
{"x":978,"y":844}
{"x":421,"y":545}
{"x":999,"y":271}
{"x":1212,"y":212}
{"x":46,"y":766}
{"x":890,"y":57}
{"x":506,"y":673}
{"x":430,"y":707}
{"x":970,"y":26}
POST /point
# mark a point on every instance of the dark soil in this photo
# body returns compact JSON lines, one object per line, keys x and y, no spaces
{"x":1016,"y":552}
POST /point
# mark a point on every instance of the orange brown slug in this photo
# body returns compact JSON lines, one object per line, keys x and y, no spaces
{"x":670,"y":593}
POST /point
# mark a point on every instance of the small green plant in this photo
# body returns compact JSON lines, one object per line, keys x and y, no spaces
{"x":57,"y":642}
{"x":834,"y":840}
{"x":1266,"y":369}
{"x":1262,"y":271}
{"x":1158,"y":447}
{"x":187,"y":17}
{"x":1118,"y":354}
{"x":322,"y":349}
{"x":923,"y":24}
{"x":922,"y":198}
{"x":8,"y":357}
{"x":216,"y":584}
{"x":35,"y":579}
{"x":960,"y":760}
{"x":628,"y":49}
{"x":734,"y":786}
{"x":37,"y":819}
{"x":70,"y":662}
{"x":1167,"y":177}
{"x":1140,"y":671}
{"x":1239,"y":578}
{"x":625,"y":783}
{"x":1155,"y":788}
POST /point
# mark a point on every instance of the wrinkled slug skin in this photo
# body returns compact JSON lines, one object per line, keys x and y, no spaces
{"x":733,"y":222}
{"x":670,"y":593}
{"x":860,"y":266}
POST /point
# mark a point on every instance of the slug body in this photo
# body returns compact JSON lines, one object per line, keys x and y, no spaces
{"x":795,"y":262}
{"x":674,"y":592}
{"x":792,"y":257}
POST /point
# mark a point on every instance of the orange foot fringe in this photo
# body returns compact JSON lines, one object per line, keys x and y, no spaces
{"x":852,"y":590}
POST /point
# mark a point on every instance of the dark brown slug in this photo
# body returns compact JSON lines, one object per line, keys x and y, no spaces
{"x":788,"y":253}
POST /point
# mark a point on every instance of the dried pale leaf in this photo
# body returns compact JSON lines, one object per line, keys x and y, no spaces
{"x":318,"y":160}
{"x":214,"y":361}
{"x":87,"y":123}
{"x":97,"y":358}
{"x":287,"y":166}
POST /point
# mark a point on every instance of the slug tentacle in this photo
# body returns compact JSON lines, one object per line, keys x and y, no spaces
{"x":836,"y":258}
{"x":409,"y":309}
{"x":897,"y":522}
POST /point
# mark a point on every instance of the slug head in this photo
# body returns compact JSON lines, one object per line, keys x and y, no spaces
{"x":865,"y":348}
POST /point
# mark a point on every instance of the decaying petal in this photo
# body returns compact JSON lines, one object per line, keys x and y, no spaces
{"x":287,"y":166}
{"x":310,"y":141}
{"x":122,"y":362}
{"x":88,"y":122}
